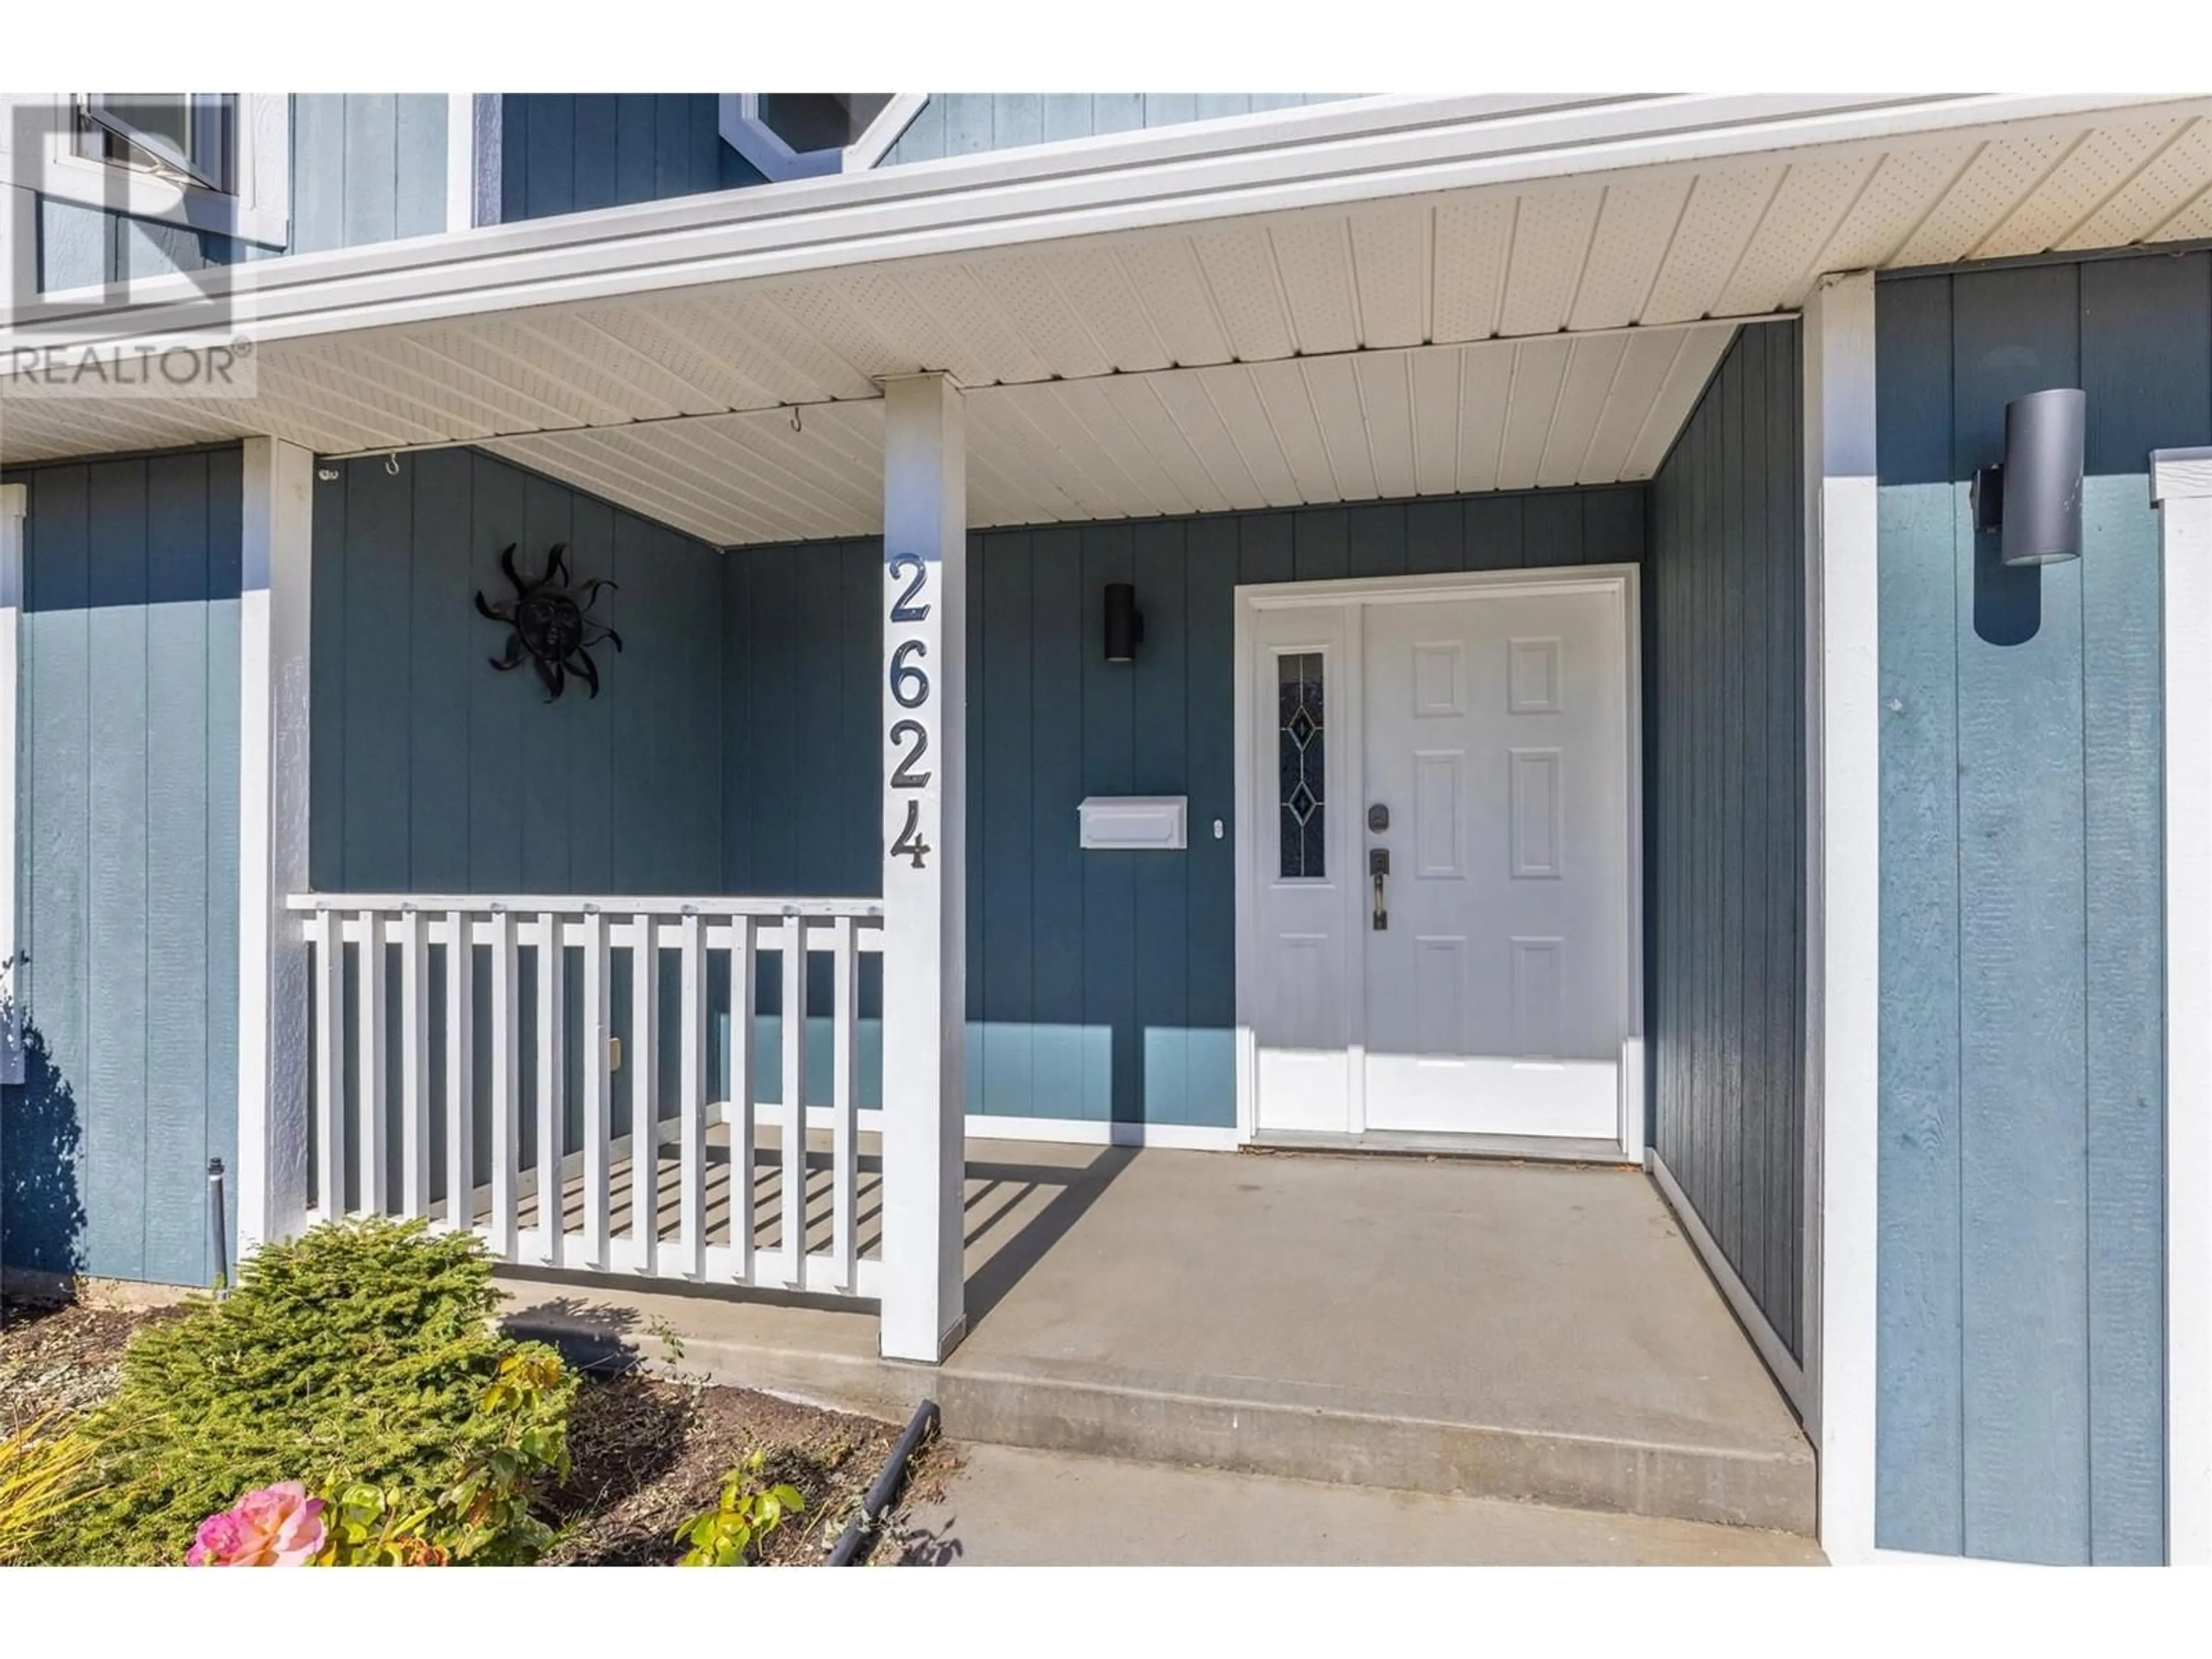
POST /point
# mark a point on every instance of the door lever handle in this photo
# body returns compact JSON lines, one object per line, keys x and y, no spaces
{"x":1378,"y":869}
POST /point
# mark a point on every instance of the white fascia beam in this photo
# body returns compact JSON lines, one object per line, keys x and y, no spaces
{"x":1318,"y":156}
{"x":2181,"y":487}
{"x":1843,"y":827}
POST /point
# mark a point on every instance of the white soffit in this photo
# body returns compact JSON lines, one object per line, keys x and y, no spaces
{"x":1434,"y":420}
{"x":1283,"y":299}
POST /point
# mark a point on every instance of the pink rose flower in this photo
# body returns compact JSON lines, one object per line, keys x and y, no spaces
{"x":278,"y":1525}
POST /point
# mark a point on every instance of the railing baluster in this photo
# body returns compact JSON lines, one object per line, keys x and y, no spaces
{"x":745,"y":977}
{"x":692,"y":1176}
{"x":368,"y":987}
{"x":381,"y":1146}
{"x":506,"y":1084}
{"x":794,"y":1100}
{"x":552,"y":1104}
{"x":414,"y":1067}
{"x":644,"y":1063}
{"x":460,"y":1073}
{"x":330,"y":1064}
{"x":599,"y":1164}
{"x":845,"y":1127}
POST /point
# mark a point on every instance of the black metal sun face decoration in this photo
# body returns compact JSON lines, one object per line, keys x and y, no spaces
{"x":551,"y":626}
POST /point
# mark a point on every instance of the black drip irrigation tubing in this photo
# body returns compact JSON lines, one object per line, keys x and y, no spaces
{"x":919,"y":1428}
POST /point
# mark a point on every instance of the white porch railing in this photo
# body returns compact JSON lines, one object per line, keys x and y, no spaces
{"x":427,"y":1100}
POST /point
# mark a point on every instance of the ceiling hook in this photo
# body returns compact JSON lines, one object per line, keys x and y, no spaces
{"x":795,"y":427}
{"x":391,"y":463}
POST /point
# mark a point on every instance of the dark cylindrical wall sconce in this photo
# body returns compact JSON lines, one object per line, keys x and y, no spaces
{"x":2035,"y":500}
{"x":1124,"y":623}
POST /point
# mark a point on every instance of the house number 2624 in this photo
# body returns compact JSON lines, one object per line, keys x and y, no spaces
{"x":909,"y":684}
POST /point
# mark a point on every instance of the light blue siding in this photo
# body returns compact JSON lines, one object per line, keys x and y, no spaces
{"x":81,"y":246}
{"x":2021,"y":1301}
{"x":965,"y":123}
{"x":128,"y":873}
{"x":367,"y":167}
{"x":1724,"y":972}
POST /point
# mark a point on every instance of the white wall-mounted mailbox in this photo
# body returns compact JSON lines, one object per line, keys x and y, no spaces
{"x":1138,"y":822}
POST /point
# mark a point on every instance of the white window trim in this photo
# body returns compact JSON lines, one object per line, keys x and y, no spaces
{"x":258,"y":211}
{"x":2181,"y":488}
{"x":744,"y":131}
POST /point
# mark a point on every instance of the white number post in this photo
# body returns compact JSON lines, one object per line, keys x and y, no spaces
{"x":925,"y":865}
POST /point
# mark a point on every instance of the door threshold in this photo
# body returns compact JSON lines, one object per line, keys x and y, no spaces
{"x":1524,"y":1149}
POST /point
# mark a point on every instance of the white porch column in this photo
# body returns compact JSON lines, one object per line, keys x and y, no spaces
{"x":15,"y":503}
{"x":925,"y":865}
{"x":2181,"y":485}
{"x":271,"y":1179}
{"x":1842,"y":808}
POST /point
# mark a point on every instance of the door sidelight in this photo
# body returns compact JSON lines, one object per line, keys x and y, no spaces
{"x":1378,"y":868}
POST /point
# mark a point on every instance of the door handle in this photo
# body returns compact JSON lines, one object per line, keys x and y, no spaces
{"x":1378,"y":870}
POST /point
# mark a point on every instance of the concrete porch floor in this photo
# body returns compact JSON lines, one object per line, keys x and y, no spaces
{"x":1527,"y":1332}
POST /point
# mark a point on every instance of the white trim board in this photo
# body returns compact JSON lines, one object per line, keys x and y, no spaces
{"x":1250,"y":599}
{"x":1058,"y":1131}
{"x":15,"y":506}
{"x":277,"y":528}
{"x":460,"y":161}
{"x":743,"y":131}
{"x":1091,"y":1132}
{"x":2181,"y":487}
{"x":1780,"y":1363}
{"x":1842,"y":937}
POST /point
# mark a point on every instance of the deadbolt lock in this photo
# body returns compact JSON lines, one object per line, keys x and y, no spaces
{"x":1378,"y":818}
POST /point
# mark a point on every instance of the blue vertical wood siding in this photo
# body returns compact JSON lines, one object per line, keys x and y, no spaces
{"x":2021,"y":1297}
{"x":1101,"y":984}
{"x":434,"y":774}
{"x":569,"y":152}
{"x":1724,"y":970}
{"x":128,"y":866}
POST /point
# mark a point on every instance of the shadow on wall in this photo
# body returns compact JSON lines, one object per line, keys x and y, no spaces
{"x":2007,"y":597}
{"x":41,"y":1137}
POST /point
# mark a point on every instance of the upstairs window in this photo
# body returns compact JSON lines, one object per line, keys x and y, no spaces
{"x":811,"y":121}
{"x":805,"y":135}
{"x":212,"y":163}
{"x":189,"y":136}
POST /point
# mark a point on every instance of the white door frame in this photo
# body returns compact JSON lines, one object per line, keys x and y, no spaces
{"x":1621,"y":580}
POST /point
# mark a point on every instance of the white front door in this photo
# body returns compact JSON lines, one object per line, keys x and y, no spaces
{"x":1470,"y":749}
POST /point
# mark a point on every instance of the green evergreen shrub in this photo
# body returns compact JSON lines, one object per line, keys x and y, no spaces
{"x":359,"y":1353}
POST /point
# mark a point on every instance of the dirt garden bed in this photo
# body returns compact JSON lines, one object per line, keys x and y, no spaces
{"x":649,"y":1452}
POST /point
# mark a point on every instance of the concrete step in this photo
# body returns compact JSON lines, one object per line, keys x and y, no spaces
{"x":1012,"y":1506}
{"x":1246,"y":1424}
{"x":1536,"y":1332}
